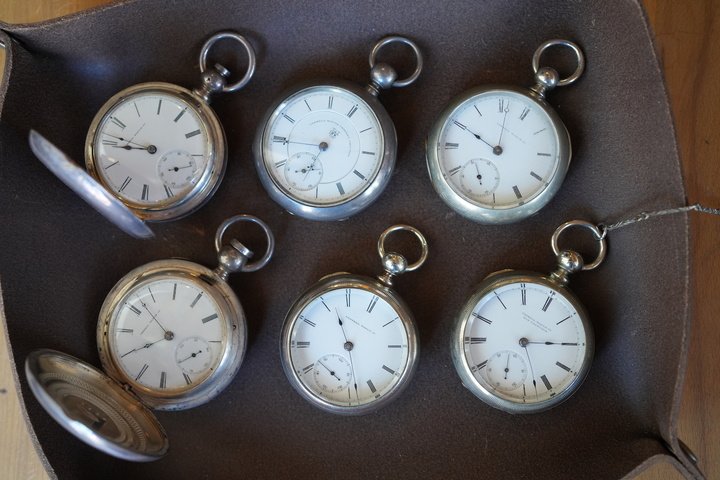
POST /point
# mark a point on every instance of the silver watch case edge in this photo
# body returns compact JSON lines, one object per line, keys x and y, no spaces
{"x":346,"y":208}
{"x":231,"y":357}
{"x":491,"y":282}
{"x":491,"y":216}
{"x":347,"y":280}
{"x":210,"y":180}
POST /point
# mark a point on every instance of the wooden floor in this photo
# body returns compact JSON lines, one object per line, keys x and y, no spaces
{"x":688,"y":38}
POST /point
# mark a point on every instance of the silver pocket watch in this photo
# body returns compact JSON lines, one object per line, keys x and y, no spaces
{"x":326,"y":151}
{"x":523,"y":342}
{"x":349,"y":343}
{"x":171,"y":335}
{"x":498,"y":154}
{"x":158,"y":147}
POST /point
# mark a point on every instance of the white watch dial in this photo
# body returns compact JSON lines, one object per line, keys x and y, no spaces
{"x":524,"y":342}
{"x":152,"y":149}
{"x":323,"y":146}
{"x":498,"y":149}
{"x":349,"y":347}
{"x":167,"y":335}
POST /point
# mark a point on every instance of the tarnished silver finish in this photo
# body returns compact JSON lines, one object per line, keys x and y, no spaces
{"x":94,"y":408}
{"x":382,"y":76}
{"x":87,"y":187}
{"x":466,"y":206}
{"x":568,"y":262}
{"x":418,"y":58}
{"x":393,"y":264}
{"x":233,"y":346}
{"x":546,"y":79}
{"x":552,"y":286}
{"x":346,"y":208}
{"x":213,"y":81}
{"x":602,"y":245}
{"x":491,"y":283}
{"x":176,"y":207}
{"x":337,"y":281}
{"x":111,"y":412}
{"x":231,"y":258}
{"x":234,"y":258}
{"x":564,"y":43}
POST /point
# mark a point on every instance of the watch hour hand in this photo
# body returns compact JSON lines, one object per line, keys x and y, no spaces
{"x":147,"y":345}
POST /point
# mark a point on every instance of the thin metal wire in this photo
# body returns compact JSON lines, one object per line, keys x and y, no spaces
{"x":642,"y":216}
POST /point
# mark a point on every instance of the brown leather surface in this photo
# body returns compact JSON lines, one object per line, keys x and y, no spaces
{"x":60,"y":258}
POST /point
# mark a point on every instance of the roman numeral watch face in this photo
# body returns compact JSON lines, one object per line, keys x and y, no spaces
{"x":326,"y":151}
{"x":349,"y":344}
{"x":152,"y":149}
{"x":171,"y":335}
{"x":159,"y":148}
{"x":523,"y":342}
{"x":173,"y":330}
{"x":499,"y":154}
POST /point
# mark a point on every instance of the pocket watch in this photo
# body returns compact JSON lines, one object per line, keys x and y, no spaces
{"x":325,"y":151}
{"x":349,"y":343}
{"x":523,"y":342}
{"x":171,"y":335}
{"x":158,"y":147}
{"x":498,"y":154}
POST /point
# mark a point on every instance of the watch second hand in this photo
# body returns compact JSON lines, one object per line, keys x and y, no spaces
{"x":192,"y":355}
{"x":331,"y":372}
{"x":138,"y":131}
{"x":352,"y":365}
{"x":153,"y":316}
{"x":479,"y":177}
{"x":531,"y":367}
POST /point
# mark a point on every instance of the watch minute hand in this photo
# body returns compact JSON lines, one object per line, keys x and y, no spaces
{"x":123,"y":140}
{"x":153,"y":316}
{"x":348,"y":347}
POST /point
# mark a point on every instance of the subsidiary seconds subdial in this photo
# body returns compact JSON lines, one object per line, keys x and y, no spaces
{"x":479,"y":177}
{"x":193,"y":355}
{"x":303,"y":171}
{"x":332,"y":373}
{"x":506,"y":370}
{"x":177,"y":169}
